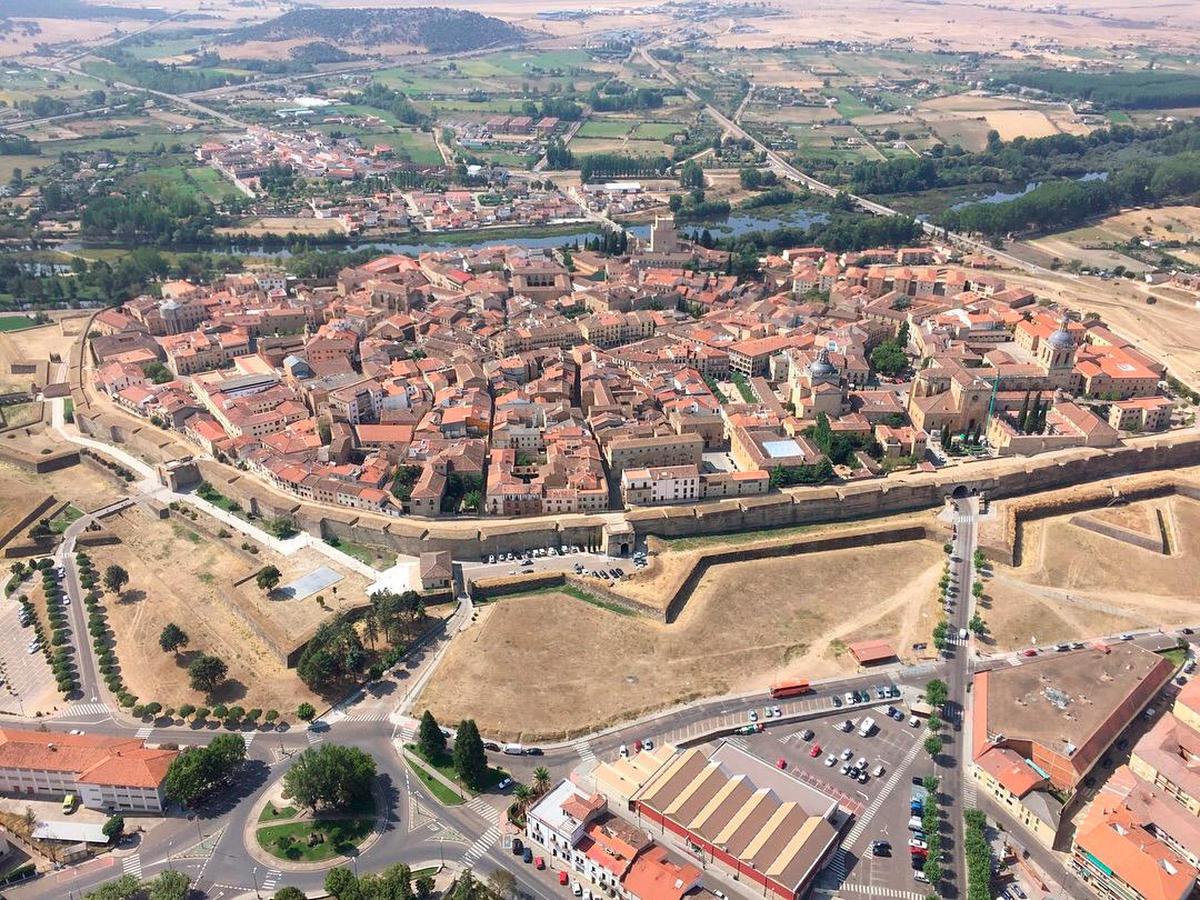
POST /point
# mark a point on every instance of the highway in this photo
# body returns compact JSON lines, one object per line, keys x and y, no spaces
{"x":786,"y":170}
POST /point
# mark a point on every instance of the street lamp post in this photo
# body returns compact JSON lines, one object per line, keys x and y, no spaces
{"x":254,"y":875}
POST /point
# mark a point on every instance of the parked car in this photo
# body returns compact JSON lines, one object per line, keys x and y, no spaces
{"x":815,"y":751}
{"x":831,"y":760}
{"x":806,"y":734}
{"x":881,"y":848}
{"x":781,"y":763}
{"x":539,"y":862}
{"x":563,"y":878}
{"x":518,"y":846}
{"x":527,"y":856}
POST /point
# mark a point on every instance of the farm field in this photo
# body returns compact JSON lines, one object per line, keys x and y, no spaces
{"x":206,"y":598}
{"x":1093,"y":244}
{"x":1074,"y":584}
{"x":747,"y":624}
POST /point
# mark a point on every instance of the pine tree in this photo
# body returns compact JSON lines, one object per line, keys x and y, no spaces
{"x":430,"y":740}
{"x":470,"y":762}
{"x":1023,"y":416}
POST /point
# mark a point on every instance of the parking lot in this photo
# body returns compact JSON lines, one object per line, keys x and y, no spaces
{"x":880,"y":804}
{"x":556,"y":562}
{"x":28,"y":683}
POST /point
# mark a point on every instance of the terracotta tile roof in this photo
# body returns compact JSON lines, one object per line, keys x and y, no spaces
{"x":92,"y":759}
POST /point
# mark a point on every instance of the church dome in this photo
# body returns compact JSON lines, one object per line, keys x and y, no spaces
{"x":1061,"y":339}
{"x":822,"y":367}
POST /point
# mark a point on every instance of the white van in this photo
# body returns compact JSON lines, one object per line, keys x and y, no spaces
{"x":962,"y":634}
{"x":914,"y":824}
{"x":866,"y":726}
{"x":514,"y":749}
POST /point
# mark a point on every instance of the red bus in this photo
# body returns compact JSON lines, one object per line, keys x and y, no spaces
{"x":789,"y":689}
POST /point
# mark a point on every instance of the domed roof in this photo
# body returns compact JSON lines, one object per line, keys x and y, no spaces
{"x":822,"y":367}
{"x":1062,"y":339}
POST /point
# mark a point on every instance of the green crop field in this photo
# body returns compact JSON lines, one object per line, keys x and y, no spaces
{"x":657,"y":131}
{"x":15,"y":323}
{"x":604,"y":129}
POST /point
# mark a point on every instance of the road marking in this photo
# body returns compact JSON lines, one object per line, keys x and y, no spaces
{"x":271,"y":880}
{"x":367,"y":717}
{"x":85,"y":709}
{"x":313,"y":737}
{"x":861,"y":825}
{"x":484,"y":810}
{"x":878,"y":890}
{"x":481,"y":846}
{"x":248,"y":738}
{"x":584,"y":749}
{"x":132,"y":865}
{"x":144,"y":732}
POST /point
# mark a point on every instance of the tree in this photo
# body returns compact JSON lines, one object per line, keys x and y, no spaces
{"x":977,"y":625}
{"x":198,"y":770}
{"x":933,"y":745}
{"x":268,"y":579}
{"x":122,"y":888}
{"x":931,"y":783}
{"x":541,"y":780}
{"x":289,"y":893}
{"x":503,"y":884}
{"x":172,"y":638}
{"x":430,"y":740}
{"x":330,"y":775}
{"x":470,"y":761}
{"x":305,"y":712}
{"x":935,"y":722}
{"x":341,"y":884}
{"x":114,"y":827}
{"x":115,"y":578}
{"x":936,"y":692}
{"x":933,"y":871}
{"x":168,"y":885}
{"x":206,"y":673}
{"x":424,"y":887}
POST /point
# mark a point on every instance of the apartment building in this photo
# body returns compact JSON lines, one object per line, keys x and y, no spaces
{"x":660,"y":450}
{"x":104,"y":772}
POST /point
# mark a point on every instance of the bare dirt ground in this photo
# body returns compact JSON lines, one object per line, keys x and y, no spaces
{"x":1073,"y":584}
{"x":84,"y":486}
{"x":1168,"y":330}
{"x":747,"y":625}
{"x":200,"y":595}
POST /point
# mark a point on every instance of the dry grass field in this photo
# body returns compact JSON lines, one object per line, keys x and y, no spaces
{"x":1168,"y":330}
{"x":1074,"y":584}
{"x":86,"y":487}
{"x":746,"y":625}
{"x":201,"y":596}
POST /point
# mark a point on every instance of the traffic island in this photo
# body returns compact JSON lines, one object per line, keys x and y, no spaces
{"x":287,"y":837}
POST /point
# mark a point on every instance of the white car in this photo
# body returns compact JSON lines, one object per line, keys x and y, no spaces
{"x":754,"y":715}
{"x":847,"y":753}
{"x":861,"y":764}
{"x":33,"y":648}
{"x":576,"y":889}
{"x":624,"y":751}
{"x":76,"y":731}
{"x":778,"y":712}
{"x":831,"y":760}
{"x":917,"y":843}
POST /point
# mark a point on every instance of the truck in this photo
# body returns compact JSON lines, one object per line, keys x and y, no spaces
{"x":866,"y":726}
{"x":789,"y":689}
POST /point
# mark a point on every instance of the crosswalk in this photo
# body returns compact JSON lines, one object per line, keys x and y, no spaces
{"x":839,"y":865}
{"x":879,"y":890}
{"x":144,"y":732}
{"x":584,"y":749}
{"x":366,"y":717}
{"x":314,"y":737}
{"x":248,"y":738}
{"x":271,"y":879}
{"x":484,"y":810}
{"x":85,"y":709}
{"x":890,"y":785}
{"x":476,"y":851}
{"x":132,"y":865}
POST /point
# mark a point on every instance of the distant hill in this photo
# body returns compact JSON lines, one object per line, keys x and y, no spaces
{"x":434,"y":28}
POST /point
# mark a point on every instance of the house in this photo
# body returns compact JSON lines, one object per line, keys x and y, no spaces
{"x":437,"y":571}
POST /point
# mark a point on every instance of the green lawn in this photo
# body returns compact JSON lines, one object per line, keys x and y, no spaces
{"x":373,"y":556}
{"x":444,"y":795}
{"x":604,"y":129}
{"x":657,"y":131}
{"x":1177,"y":656}
{"x":445,"y":766}
{"x":850,"y":106}
{"x":271,"y":812}
{"x":63,"y":520}
{"x":290,"y":841}
{"x":16,"y":323}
